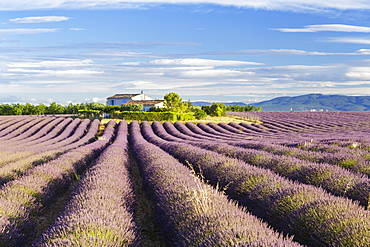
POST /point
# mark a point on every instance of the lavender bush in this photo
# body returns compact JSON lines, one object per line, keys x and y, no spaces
{"x":50,"y":149}
{"x":276,"y":199}
{"x":192,"y":213}
{"x":21,"y":198}
{"x":98,"y":214}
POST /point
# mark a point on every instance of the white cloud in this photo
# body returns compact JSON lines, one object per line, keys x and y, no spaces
{"x":294,"y":52}
{"x":350,"y":40}
{"x":44,"y":73}
{"x":294,"y":5}
{"x":39,"y":19}
{"x":77,"y":29}
{"x":359,"y":73}
{"x":364,"y":51}
{"x":53,"y":64}
{"x":190,"y":76}
{"x":325,"y":28}
{"x":144,"y":84}
{"x":269,"y":52}
{"x":206,"y":73}
{"x":18,"y":31}
{"x":199,"y":62}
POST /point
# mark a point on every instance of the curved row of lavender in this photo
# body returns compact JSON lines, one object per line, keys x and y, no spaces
{"x":342,"y":124}
{"x":31,"y":130}
{"x":17,"y":125}
{"x":98,"y":213}
{"x":315,"y":217}
{"x":190,"y":212}
{"x":49,"y":131}
{"x":312,"y":215}
{"x":332,"y":178}
{"x":19,"y":149}
{"x":356,"y":160}
{"x":348,"y":151}
{"x":48,"y":149}
{"x":20,"y":199}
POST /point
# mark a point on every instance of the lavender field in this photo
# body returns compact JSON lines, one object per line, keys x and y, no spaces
{"x":295,"y":179}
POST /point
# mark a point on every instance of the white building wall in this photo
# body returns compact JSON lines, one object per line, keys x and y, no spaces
{"x":141,"y":97}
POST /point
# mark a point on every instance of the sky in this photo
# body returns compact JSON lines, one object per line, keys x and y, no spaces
{"x":78,"y":51}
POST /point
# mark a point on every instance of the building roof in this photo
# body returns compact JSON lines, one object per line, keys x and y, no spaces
{"x":144,"y":102}
{"x":123,"y":96}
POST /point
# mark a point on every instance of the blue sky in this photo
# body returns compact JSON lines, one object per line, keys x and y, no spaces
{"x":214,"y":50}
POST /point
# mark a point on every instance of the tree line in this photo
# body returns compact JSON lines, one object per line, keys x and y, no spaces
{"x":172,"y":103}
{"x":53,"y":108}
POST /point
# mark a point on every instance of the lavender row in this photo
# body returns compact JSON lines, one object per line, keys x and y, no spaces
{"x":6,"y":121}
{"x":98,"y":214}
{"x":15,"y":152}
{"x":53,"y":144}
{"x":313,"y":216}
{"x":29,"y":138}
{"x":320,"y":121}
{"x":22,"y":128}
{"x":47,"y":133}
{"x":32,"y":130}
{"x":43,"y":154}
{"x":59,"y":133}
{"x":192,"y":213}
{"x":22,"y":198}
{"x":353,"y":161}
{"x":334,"y":179}
{"x":12,"y":126}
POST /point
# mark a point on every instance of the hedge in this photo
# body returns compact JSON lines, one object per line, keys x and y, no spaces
{"x":89,"y":113}
{"x":154,"y":116}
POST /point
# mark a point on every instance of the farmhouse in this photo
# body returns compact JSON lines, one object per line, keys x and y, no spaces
{"x":120,"y":99}
{"x":134,"y":99}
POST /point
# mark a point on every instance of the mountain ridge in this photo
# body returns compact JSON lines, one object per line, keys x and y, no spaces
{"x":317,"y":102}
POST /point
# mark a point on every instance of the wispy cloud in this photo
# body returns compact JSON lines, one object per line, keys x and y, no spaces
{"x":200,"y":62}
{"x":127,"y":45}
{"x":7,"y":41}
{"x":18,"y":31}
{"x":39,"y":19}
{"x":294,"y":52}
{"x":325,"y":28}
{"x":195,"y":77}
{"x":76,"y":29}
{"x":349,"y":40}
{"x":51,"y":63}
{"x":292,"y":5}
{"x":268,"y":52}
{"x":54,"y":72}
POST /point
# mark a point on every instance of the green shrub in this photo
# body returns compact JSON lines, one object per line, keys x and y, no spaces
{"x":154,"y":116}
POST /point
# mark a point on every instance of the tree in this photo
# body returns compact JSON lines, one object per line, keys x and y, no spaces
{"x":73,"y":109}
{"x":172,"y":101}
{"x":198,"y":112}
{"x":29,"y":109}
{"x":55,"y":108}
{"x":6,"y":109}
{"x":18,"y":109}
{"x":215,"y":110}
{"x":40,"y":109}
{"x":238,"y":108}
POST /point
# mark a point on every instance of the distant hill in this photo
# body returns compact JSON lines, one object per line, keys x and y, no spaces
{"x":317,"y":102}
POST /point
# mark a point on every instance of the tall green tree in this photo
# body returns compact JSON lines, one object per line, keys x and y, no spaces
{"x":172,"y":101}
{"x":55,"y":108}
{"x":215,"y":110}
{"x":40,"y":109}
